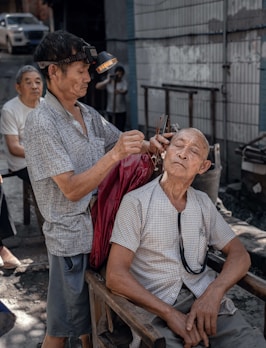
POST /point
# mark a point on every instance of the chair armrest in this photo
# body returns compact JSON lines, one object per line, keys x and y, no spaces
{"x":250,"y":282}
{"x":135,"y":317}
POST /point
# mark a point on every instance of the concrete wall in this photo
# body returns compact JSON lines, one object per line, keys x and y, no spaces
{"x":182,"y":42}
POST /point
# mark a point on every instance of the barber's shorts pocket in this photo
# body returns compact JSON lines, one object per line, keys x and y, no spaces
{"x":74,"y":263}
{"x":68,"y":263}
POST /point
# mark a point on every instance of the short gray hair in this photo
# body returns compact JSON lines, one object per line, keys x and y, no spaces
{"x":23,"y":70}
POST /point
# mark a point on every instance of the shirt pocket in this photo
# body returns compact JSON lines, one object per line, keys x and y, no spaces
{"x":202,"y":245}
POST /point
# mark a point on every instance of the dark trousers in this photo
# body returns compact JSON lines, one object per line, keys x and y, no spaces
{"x":23,"y":174}
{"x":7,"y":227}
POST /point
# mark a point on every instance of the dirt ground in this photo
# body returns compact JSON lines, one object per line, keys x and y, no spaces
{"x":243,"y":207}
{"x":24,"y":292}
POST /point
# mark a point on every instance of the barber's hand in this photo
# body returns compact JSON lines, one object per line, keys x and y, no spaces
{"x":128,"y":143}
{"x":204,"y":313}
{"x":158,"y":143}
{"x":176,"y":322}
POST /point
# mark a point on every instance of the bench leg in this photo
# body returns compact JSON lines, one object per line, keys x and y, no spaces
{"x":26,"y":203}
{"x":94,"y":316}
{"x":265,"y":320}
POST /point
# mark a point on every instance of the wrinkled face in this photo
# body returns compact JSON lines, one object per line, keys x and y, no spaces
{"x":186,"y":156}
{"x":31,"y":87}
{"x":73,"y":83}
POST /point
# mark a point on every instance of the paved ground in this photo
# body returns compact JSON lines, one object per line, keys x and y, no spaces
{"x":24,"y":291}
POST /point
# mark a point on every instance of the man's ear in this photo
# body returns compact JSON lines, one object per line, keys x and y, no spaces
{"x":17,"y":87}
{"x":52,"y":69}
{"x":205,"y":166}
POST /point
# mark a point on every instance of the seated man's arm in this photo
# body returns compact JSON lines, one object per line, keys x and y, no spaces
{"x":206,"y":308}
{"x":121,"y":282}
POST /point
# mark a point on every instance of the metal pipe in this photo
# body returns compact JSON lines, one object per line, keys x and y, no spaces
{"x":190,"y":109}
{"x":167,"y":104}
{"x":224,"y":87}
{"x":132,"y":65}
{"x":146,"y":108}
{"x":213,"y":115}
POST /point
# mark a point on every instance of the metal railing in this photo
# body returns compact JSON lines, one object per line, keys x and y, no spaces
{"x":167,"y":90}
{"x":212,"y":91}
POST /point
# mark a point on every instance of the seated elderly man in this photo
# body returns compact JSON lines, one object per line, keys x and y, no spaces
{"x":160,"y":242}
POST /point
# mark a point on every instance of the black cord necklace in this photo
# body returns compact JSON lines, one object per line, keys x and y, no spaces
{"x":182,"y":252}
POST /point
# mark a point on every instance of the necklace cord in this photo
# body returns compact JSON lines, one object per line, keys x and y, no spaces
{"x":182,"y":252}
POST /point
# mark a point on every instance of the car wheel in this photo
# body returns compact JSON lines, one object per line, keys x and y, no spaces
{"x":10,"y":48}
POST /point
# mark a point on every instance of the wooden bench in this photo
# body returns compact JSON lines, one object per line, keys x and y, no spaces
{"x":28,"y":200}
{"x":113,"y":316}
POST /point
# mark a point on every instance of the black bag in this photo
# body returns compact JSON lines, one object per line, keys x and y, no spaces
{"x":7,"y":227}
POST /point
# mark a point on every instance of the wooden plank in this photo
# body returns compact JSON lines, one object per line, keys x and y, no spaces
{"x":250,"y":282}
{"x":135,"y":317}
{"x":138,"y":319}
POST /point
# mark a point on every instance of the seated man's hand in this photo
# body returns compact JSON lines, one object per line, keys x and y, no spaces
{"x":176,"y":321}
{"x":203,"y":313}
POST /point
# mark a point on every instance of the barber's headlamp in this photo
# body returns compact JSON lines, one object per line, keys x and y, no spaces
{"x":103,"y":61}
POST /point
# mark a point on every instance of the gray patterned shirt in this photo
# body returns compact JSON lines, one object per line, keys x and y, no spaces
{"x":55,"y":144}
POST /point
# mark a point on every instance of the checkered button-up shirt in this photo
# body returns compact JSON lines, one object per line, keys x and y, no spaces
{"x":146,"y":223}
{"x":55,"y":144}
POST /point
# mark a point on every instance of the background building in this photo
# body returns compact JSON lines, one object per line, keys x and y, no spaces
{"x":215,"y":44}
{"x":213,"y":50}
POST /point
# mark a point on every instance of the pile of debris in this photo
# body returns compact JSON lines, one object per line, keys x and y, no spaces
{"x":253,"y":169}
{"x":242,"y":206}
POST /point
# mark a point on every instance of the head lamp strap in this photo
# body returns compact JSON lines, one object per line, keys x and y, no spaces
{"x":75,"y":58}
{"x":90,"y":59}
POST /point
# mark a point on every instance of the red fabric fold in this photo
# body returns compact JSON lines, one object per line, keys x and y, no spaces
{"x":129,"y":174}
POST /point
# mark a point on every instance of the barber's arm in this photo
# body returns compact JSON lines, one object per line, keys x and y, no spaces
{"x":206,"y":308}
{"x":76,"y":186}
{"x":121,"y":282}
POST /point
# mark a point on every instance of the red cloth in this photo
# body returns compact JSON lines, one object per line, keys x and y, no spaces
{"x":130,"y":173}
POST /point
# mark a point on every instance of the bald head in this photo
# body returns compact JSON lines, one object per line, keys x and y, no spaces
{"x":199,"y":137}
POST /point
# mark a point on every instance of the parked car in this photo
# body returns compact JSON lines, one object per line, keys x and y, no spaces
{"x":20,"y":30}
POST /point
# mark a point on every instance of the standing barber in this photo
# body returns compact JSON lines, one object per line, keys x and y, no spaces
{"x":70,"y":148}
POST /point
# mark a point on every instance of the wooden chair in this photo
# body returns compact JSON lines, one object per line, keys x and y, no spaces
{"x":113,"y":317}
{"x":28,"y":200}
